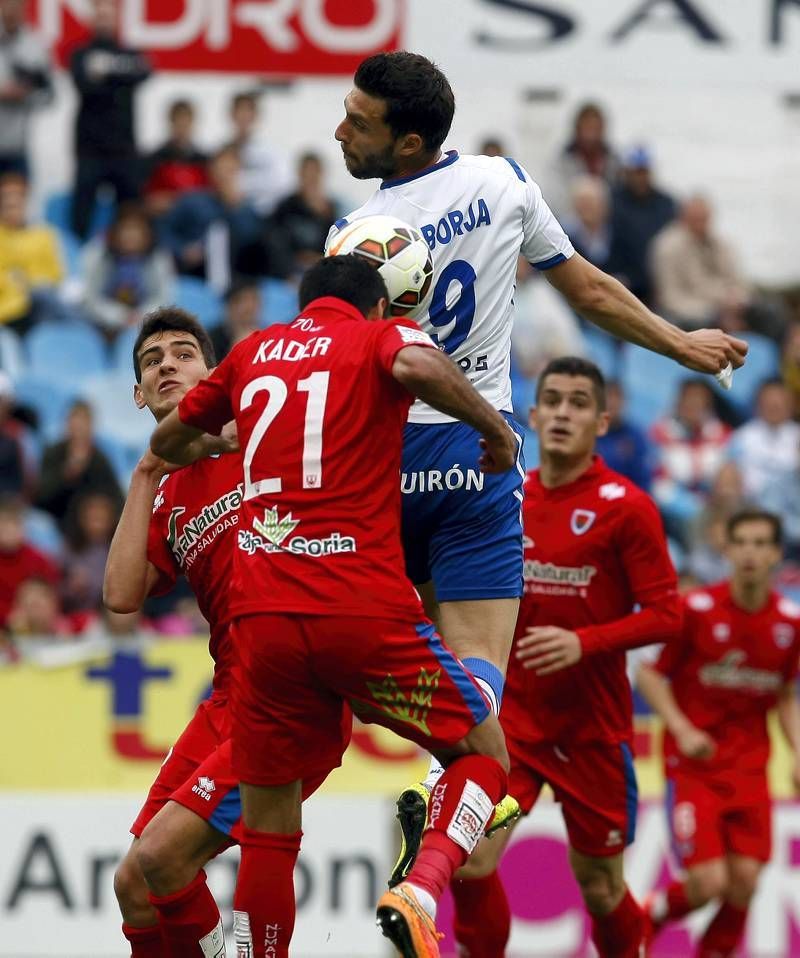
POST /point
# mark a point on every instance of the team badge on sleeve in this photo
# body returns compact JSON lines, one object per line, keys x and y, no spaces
{"x":582,"y":521}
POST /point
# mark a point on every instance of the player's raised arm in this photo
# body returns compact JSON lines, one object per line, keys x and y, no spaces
{"x":604,"y":301}
{"x":434,"y":378}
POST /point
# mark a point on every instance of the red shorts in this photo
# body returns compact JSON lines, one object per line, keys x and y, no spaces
{"x":711,"y":817}
{"x":298,"y":671}
{"x":594,"y":783}
{"x":209,"y":727}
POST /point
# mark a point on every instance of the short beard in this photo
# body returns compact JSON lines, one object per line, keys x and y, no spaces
{"x":380,"y":166}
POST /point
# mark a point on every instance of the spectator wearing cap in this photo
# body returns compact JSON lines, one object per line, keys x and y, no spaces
{"x":30,"y":260}
{"x":243,"y":305}
{"x":25,"y":84}
{"x":697,"y":280}
{"x":19,"y":561}
{"x":640,"y":210}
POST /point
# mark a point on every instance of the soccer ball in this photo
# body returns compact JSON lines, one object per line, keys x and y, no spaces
{"x":397,"y":251}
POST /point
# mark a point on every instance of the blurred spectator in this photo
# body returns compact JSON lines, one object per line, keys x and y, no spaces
{"x":589,"y":226}
{"x":87,"y":551}
{"x":266,"y":175}
{"x":696,"y":279}
{"x":242,"y":317}
{"x":492,"y":146}
{"x":707,"y":561}
{"x":37,"y":615}
{"x":178,"y":166}
{"x":639,"y":211}
{"x":301,"y":221}
{"x":30,"y":260}
{"x":544,"y":326}
{"x":14,"y":478}
{"x":125,"y":275}
{"x":625,"y":448}
{"x":25,"y":84}
{"x":106,"y":76}
{"x":767,"y":449}
{"x":588,"y":152}
{"x":18,"y":560}
{"x":214,"y":233}
{"x":185,"y":619}
{"x":790,"y":365}
{"x":691,"y":445}
{"x":73,"y":468}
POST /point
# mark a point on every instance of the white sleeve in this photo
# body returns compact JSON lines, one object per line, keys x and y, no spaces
{"x":545,"y":243}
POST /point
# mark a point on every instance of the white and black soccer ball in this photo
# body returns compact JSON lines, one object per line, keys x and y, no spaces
{"x":397,"y":251}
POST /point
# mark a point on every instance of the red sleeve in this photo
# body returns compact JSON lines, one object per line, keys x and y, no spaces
{"x":793,"y":665}
{"x":395,"y":335}
{"x":208,"y":406}
{"x":159,"y":553}
{"x":651,"y":579}
{"x":676,"y":651}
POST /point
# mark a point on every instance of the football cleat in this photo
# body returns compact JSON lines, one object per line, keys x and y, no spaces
{"x":412,"y":813}
{"x":407,"y":925}
{"x":506,"y":812}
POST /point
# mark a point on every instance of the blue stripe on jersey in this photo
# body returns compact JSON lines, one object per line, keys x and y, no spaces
{"x":549,"y":263}
{"x":450,"y":157}
{"x":340,"y":223}
{"x":631,"y":792}
{"x":227,"y":813}
{"x":515,"y":167}
{"x":476,"y":702}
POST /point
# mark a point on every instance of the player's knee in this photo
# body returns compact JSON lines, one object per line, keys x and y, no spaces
{"x":161,"y":864}
{"x":742,"y":887}
{"x":483,"y":861}
{"x":601,"y":889}
{"x":130,"y":887}
{"x":488,"y":739}
{"x":709,"y":884}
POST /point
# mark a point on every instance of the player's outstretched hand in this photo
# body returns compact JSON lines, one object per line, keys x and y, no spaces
{"x":548,"y":649}
{"x":711,"y":350}
{"x":499,"y":452}
{"x":695,"y":743}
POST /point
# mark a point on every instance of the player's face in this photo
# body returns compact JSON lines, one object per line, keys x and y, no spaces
{"x":367,"y":142}
{"x":171,"y":363}
{"x":567,"y":417}
{"x":753,"y":553}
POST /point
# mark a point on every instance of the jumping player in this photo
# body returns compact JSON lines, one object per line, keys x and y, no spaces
{"x":185,"y":522}
{"x":594,"y":552}
{"x":736,"y":658}
{"x":463,"y":540}
{"x":323,"y":610}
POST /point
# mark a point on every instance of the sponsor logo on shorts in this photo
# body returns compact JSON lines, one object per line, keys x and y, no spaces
{"x":270,"y":535}
{"x":471,"y":816}
{"x":731,"y":673}
{"x":412,"y":709}
{"x":204,"y":787}
{"x":582,"y":521}
{"x":684,"y":821}
{"x":442,"y":480}
{"x":614,"y":838}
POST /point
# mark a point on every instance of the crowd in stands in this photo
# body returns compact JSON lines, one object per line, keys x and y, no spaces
{"x":226,"y":234}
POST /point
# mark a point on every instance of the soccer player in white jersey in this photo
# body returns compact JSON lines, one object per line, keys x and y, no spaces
{"x":463,"y":532}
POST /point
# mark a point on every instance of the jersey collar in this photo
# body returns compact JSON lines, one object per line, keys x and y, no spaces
{"x":449,"y":158}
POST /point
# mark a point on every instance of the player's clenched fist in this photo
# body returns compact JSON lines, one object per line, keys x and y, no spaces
{"x":695,"y":743}
{"x":548,"y":649}
{"x":710,"y":351}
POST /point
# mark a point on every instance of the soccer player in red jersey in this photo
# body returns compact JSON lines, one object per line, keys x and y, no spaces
{"x":324,"y":612}
{"x":182,"y":522}
{"x":736,"y":658}
{"x":595,"y":551}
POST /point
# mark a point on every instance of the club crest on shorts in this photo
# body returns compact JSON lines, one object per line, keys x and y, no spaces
{"x":582,"y":521}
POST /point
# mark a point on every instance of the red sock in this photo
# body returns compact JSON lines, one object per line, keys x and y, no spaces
{"x":263,"y":905}
{"x":461,"y":806}
{"x":483,"y":918}
{"x":620,"y":933}
{"x":677,"y":903}
{"x":724,"y":933}
{"x":189,"y":919}
{"x":145,"y":942}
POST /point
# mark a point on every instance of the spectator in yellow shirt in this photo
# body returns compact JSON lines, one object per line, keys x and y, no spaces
{"x":30,"y":259}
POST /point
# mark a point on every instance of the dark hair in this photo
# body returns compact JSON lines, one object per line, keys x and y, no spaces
{"x":180,"y":106}
{"x":693,"y":382}
{"x":349,"y":278}
{"x":238,"y":285}
{"x":769,"y":381}
{"x":11,"y":504}
{"x":756,"y":515}
{"x":575,"y":366}
{"x":172,"y":319}
{"x":125,"y":213}
{"x":246,"y":96}
{"x":80,"y":405}
{"x":417,"y":94}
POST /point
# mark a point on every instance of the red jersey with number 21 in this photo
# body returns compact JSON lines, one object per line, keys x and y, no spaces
{"x":320,"y":421}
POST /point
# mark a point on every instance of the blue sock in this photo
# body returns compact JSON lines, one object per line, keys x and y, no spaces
{"x":490,"y":679}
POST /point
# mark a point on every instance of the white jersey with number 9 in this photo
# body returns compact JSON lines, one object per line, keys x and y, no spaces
{"x":477,"y":214}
